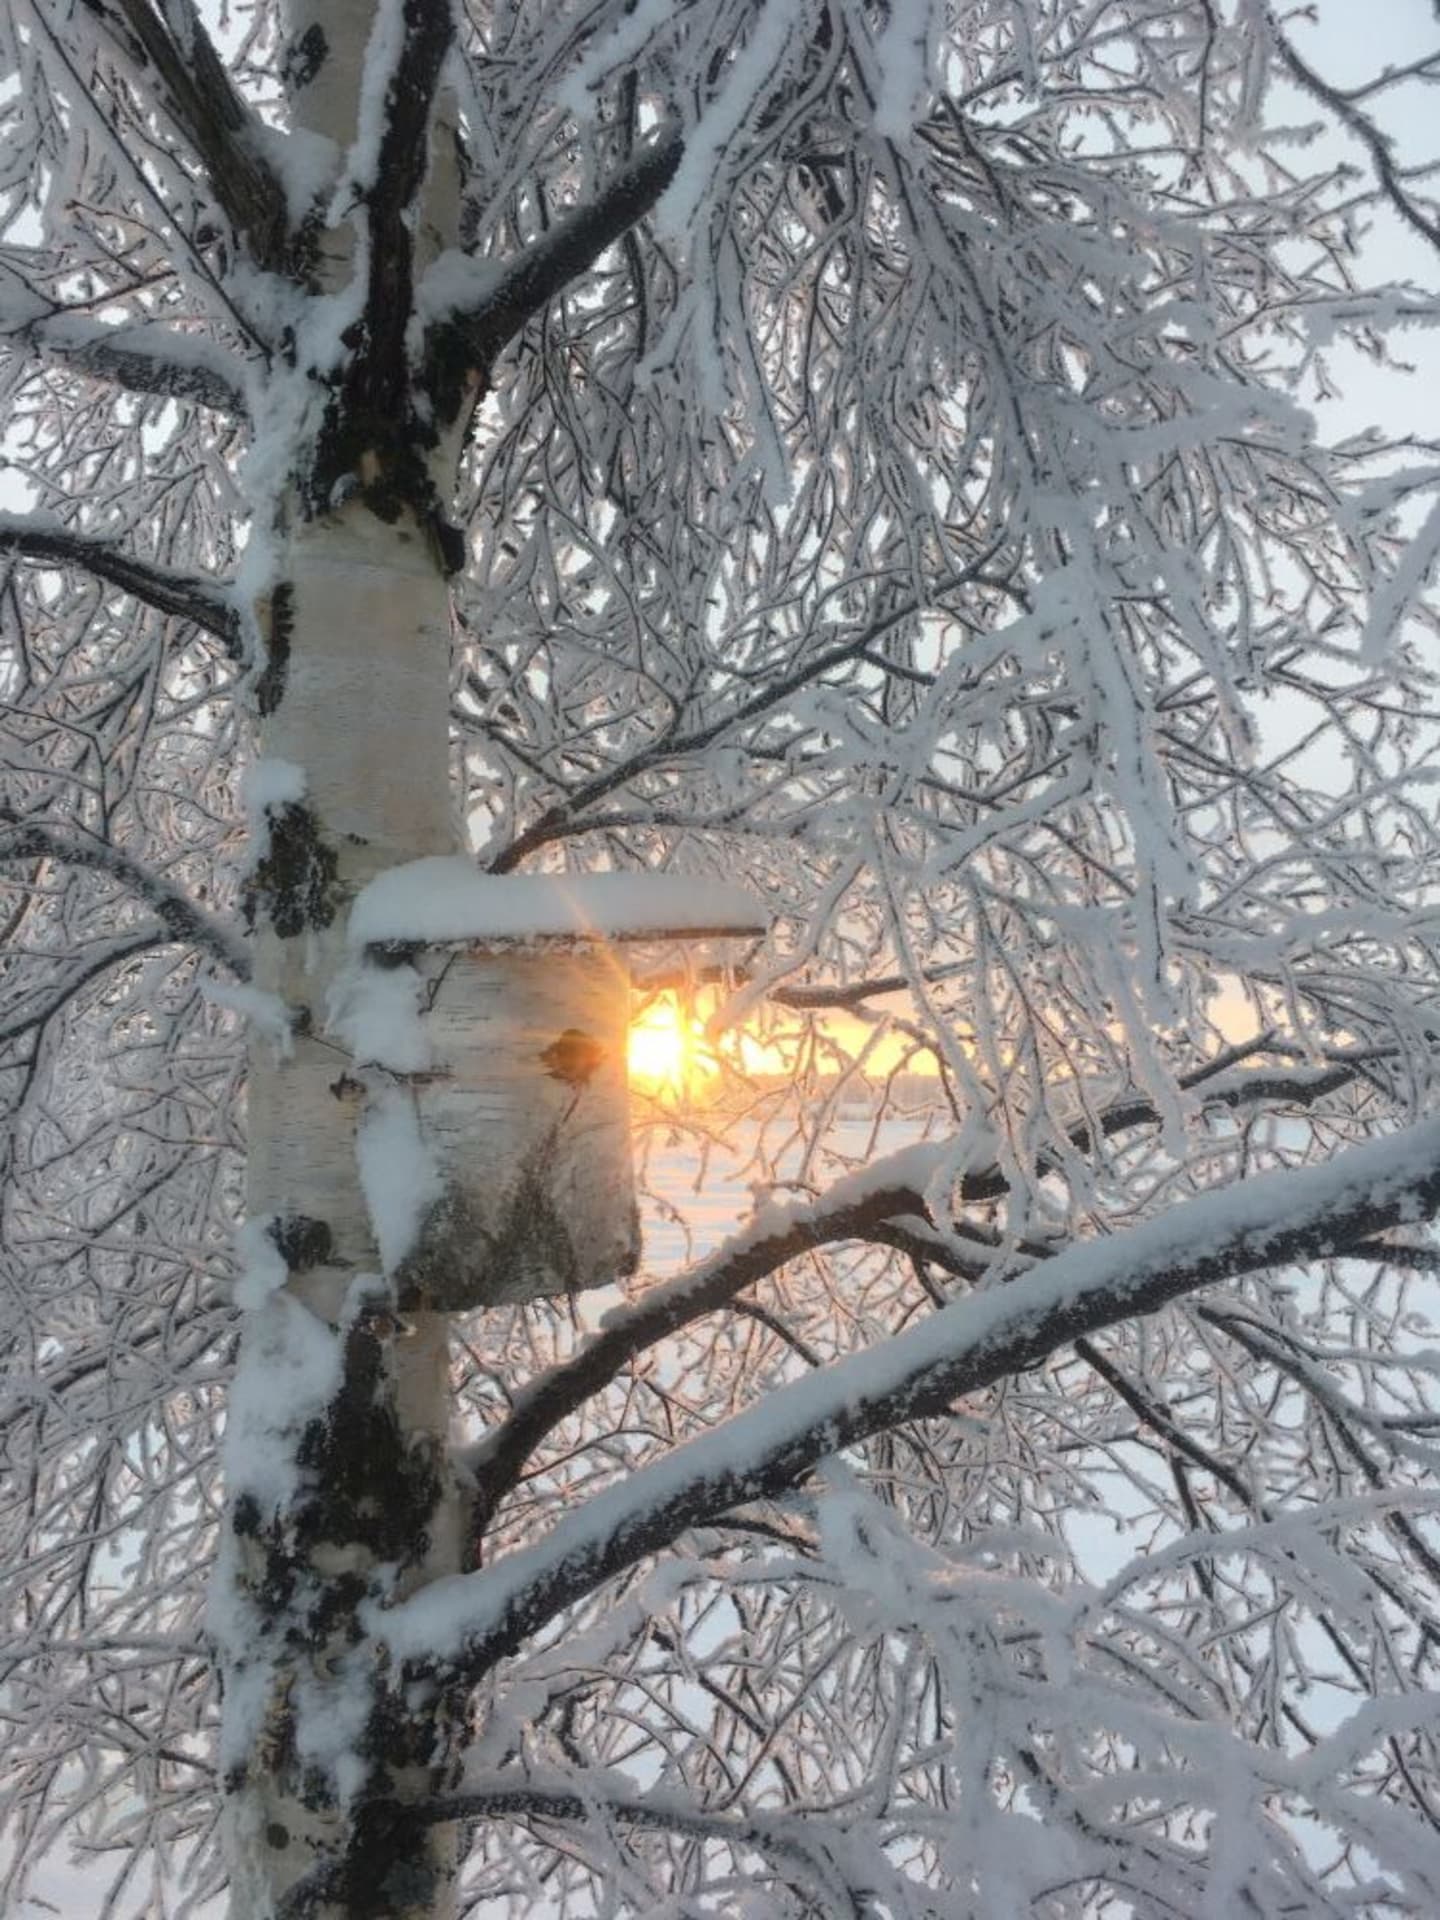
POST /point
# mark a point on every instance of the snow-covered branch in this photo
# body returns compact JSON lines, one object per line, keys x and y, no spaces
{"x":29,"y":1014}
{"x":154,"y":360}
{"x":177,"y":54}
{"x":795,"y":1857}
{"x":886,"y":1204}
{"x":148,"y":357}
{"x":1273,"y":1220}
{"x":853,"y":1209}
{"x":181,"y":596}
{"x":25,"y":838}
{"x":475,"y":307}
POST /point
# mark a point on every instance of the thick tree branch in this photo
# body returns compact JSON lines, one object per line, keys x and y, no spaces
{"x":373,"y":437}
{"x":379,"y":381}
{"x":178,"y":55}
{"x":184,"y":919}
{"x":886,"y":1204}
{"x":472,"y":323}
{"x":1274,"y":1219}
{"x":183,"y":596}
{"x":779,"y":1838}
{"x":143,"y":359}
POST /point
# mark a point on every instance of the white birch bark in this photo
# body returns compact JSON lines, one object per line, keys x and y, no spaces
{"x":310,"y":1734}
{"x":339,"y":1490}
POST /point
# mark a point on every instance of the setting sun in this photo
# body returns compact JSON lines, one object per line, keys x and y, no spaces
{"x":668,"y":1051}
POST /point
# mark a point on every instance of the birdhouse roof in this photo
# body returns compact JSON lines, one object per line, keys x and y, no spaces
{"x":443,"y":900}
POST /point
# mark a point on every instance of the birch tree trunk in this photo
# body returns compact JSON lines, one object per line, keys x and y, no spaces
{"x":339,"y":1492}
{"x":340,"y":1420}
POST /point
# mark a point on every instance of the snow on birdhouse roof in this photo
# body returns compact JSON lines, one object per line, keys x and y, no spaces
{"x":445,"y":899}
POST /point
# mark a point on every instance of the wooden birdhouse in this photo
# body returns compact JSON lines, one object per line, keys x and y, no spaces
{"x":522,"y":1108}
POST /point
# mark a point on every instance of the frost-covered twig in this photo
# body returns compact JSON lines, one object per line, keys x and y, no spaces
{"x":24,"y":838}
{"x":1345,"y":105}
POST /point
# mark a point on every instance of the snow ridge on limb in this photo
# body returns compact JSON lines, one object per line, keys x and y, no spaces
{"x":800,"y":1858}
{"x":1273,"y":1219}
{"x":147,"y":357}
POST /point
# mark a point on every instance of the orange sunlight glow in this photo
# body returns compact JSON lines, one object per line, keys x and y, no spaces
{"x":668,"y":1052}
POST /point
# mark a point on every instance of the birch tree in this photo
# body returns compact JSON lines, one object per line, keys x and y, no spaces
{"x":861,"y":451}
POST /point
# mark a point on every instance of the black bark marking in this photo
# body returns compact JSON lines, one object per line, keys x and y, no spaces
{"x":270,"y":684}
{"x":389,"y":1865}
{"x":573,"y":1057}
{"x":293,"y":883}
{"x":304,"y":57}
{"x":246,"y":1518}
{"x":378,"y":456}
{"x":369,"y":1485}
{"x":302,"y":1241}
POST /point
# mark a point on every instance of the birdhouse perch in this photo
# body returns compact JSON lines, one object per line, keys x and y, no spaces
{"x":523,"y":1110}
